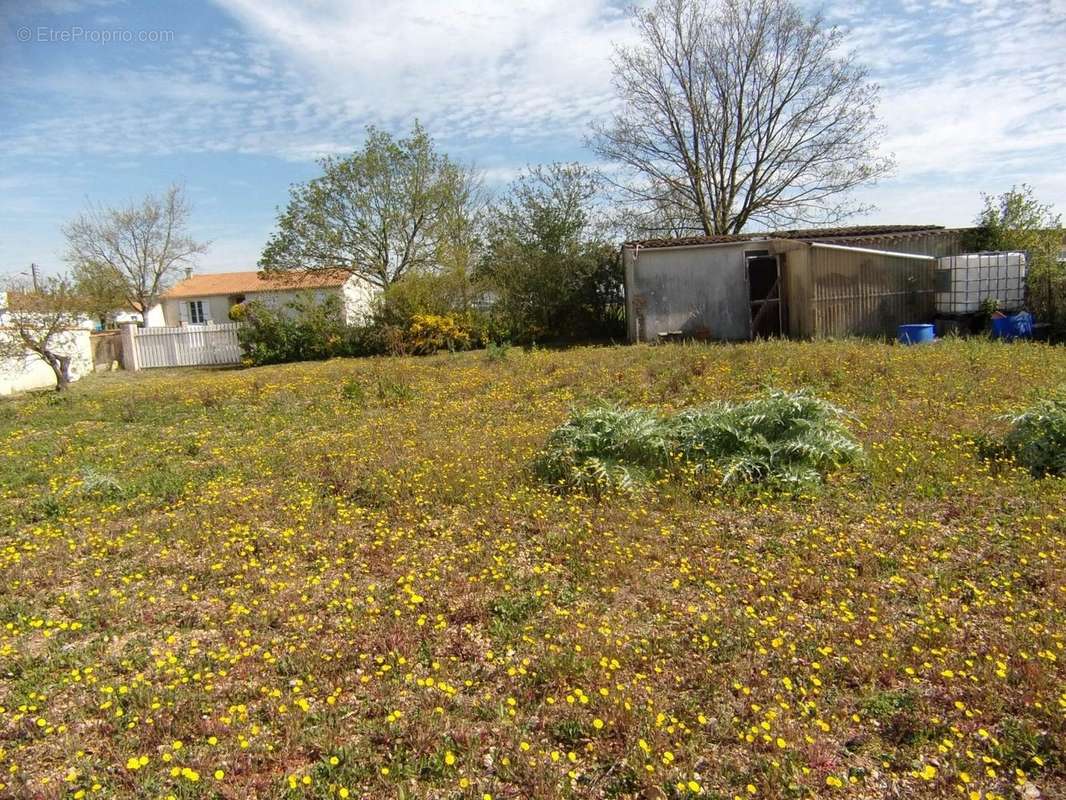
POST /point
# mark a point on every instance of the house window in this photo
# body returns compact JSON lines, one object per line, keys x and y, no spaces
{"x":197,"y":312}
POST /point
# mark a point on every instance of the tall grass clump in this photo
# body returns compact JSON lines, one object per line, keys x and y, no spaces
{"x":786,"y":439}
{"x":1037,"y":437}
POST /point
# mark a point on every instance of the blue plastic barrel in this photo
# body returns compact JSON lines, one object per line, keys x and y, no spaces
{"x":1017,"y":326}
{"x":915,"y":334}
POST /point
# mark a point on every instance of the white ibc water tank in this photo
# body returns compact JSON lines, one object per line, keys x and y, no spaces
{"x":964,"y":283}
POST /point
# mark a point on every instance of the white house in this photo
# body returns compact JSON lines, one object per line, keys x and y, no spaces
{"x":208,"y":298}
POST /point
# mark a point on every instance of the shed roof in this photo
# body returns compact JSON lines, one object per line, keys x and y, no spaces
{"x":802,"y":234}
{"x":228,"y":283}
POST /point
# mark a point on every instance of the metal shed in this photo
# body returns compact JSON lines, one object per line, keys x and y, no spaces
{"x":805,"y":284}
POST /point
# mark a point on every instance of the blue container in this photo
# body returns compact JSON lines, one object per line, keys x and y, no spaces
{"x":915,"y":334}
{"x":1018,"y":326}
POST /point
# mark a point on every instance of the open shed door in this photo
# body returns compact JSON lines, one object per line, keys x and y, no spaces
{"x":764,"y":294}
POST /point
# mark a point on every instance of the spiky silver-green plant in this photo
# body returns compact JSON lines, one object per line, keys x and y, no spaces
{"x":1037,"y":437}
{"x":605,"y":449}
{"x":785,"y":438}
{"x":791,"y":438}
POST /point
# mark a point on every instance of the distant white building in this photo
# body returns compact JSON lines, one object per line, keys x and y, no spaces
{"x":207,"y":299}
{"x":125,"y":317}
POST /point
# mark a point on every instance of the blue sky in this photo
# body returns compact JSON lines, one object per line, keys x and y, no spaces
{"x":236,"y":98}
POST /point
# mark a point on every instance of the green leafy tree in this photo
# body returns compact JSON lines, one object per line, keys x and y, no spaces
{"x":1016,"y":220}
{"x":547,"y":262}
{"x":393,"y":207}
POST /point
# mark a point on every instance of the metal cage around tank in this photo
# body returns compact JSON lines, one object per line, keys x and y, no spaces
{"x":972,"y":282}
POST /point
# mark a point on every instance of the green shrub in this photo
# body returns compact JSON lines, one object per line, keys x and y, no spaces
{"x":497,"y":351}
{"x":390,"y":389}
{"x":1037,"y":437}
{"x":305,"y":329}
{"x":353,"y":391}
{"x":786,"y":439}
{"x":427,"y":311}
{"x":546,"y":262}
{"x":441,"y":292}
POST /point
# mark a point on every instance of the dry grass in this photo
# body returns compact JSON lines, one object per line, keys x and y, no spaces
{"x":327,"y":591}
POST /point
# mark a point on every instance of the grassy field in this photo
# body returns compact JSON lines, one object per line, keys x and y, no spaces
{"x":341,"y":580}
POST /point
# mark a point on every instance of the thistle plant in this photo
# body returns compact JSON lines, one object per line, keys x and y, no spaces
{"x":779,"y":438}
{"x":1037,"y":436}
{"x":788,"y":438}
{"x":605,"y":449}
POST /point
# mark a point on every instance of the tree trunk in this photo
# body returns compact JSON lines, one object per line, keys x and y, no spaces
{"x":61,"y":367}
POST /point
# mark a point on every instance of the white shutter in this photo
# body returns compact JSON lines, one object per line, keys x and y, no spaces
{"x":183,"y":312}
{"x":206,"y":306}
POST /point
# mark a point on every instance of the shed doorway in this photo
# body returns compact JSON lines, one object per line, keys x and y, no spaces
{"x":764,"y":294}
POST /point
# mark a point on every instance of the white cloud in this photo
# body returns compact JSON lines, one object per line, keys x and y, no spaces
{"x":968,"y":85}
{"x":471,"y":71}
{"x":972,"y":99}
{"x":302,"y":80}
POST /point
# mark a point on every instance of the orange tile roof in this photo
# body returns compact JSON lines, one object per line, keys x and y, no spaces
{"x":246,"y":282}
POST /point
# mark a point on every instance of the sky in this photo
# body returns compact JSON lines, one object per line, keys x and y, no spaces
{"x":104,"y":101}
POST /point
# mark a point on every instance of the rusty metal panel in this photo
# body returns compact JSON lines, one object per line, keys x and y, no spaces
{"x":795,"y":267}
{"x":929,"y":243}
{"x":865,"y":294}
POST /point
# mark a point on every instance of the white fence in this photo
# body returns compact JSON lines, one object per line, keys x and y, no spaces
{"x":187,"y":346}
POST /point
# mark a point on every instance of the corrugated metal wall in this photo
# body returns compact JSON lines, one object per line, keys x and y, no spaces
{"x":851,"y":293}
{"x":795,"y":272}
{"x":932,"y":243}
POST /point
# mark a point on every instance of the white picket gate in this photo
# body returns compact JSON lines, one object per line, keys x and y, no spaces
{"x":187,"y":346}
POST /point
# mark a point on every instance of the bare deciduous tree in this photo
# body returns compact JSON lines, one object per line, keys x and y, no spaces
{"x":741,"y":112}
{"x":146,"y":244}
{"x":38,"y":321}
{"x":661,"y":217}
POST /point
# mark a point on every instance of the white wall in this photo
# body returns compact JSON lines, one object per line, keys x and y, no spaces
{"x":216,"y":306}
{"x":31,"y":372}
{"x":357,"y":295}
{"x":155,"y":317}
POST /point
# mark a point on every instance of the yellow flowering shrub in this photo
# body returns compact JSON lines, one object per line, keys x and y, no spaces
{"x":428,"y":333}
